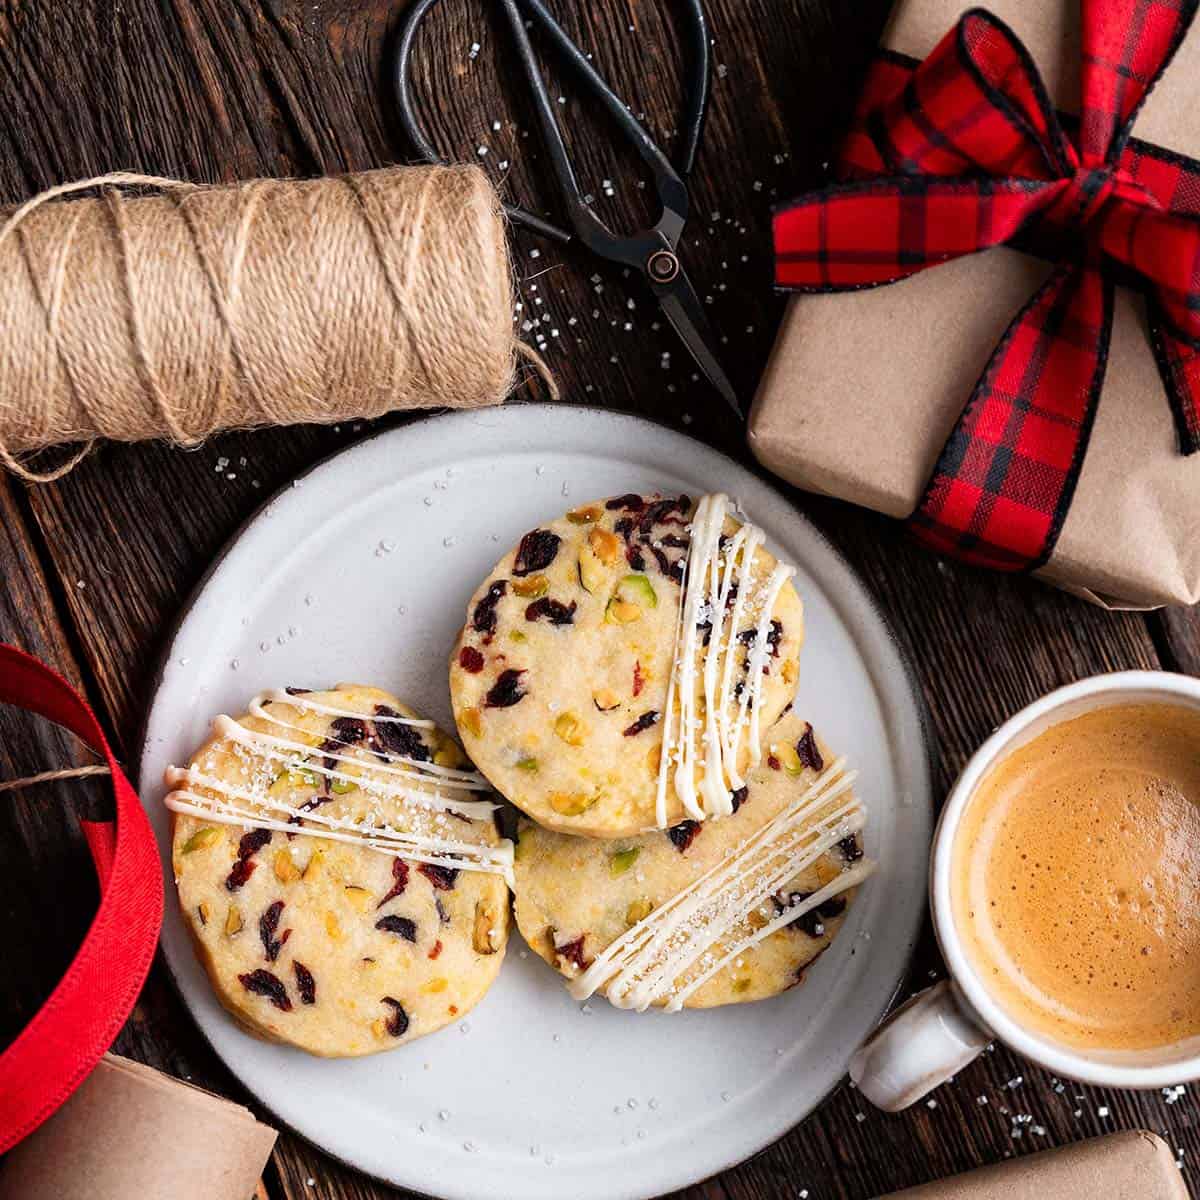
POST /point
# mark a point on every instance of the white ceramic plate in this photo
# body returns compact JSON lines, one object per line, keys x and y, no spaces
{"x":361,"y":571}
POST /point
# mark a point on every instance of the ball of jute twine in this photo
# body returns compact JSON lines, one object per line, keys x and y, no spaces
{"x":195,"y":309}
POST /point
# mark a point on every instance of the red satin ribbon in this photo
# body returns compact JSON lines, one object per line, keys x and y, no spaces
{"x":83,"y":1015}
{"x":966,"y":152}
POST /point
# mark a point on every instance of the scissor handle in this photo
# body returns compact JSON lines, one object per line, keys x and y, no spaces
{"x":668,"y":177}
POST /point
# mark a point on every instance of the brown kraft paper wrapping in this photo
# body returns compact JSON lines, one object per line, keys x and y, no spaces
{"x":1122,"y":1166}
{"x":130,"y":1131}
{"x":863,"y":388}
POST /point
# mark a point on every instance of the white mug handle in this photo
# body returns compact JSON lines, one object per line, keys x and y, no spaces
{"x":921,"y":1045}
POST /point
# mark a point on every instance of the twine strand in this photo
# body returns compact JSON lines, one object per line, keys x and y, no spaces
{"x":12,"y":785}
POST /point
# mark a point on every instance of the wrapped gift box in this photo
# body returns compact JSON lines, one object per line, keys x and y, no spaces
{"x":863,"y":388}
{"x":1122,"y":1166}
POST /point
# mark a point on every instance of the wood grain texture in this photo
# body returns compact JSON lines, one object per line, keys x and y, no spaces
{"x":96,"y":567}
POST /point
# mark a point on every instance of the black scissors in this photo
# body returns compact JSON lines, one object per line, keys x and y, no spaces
{"x":650,"y":251}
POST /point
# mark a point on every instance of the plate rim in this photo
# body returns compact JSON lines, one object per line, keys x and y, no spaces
{"x":925,"y":763}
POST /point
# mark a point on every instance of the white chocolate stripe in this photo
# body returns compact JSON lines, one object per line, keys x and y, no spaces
{"x":301,"y":700}
{"x":852,"y":877}
{"x":410,"y":849}
{"x":642,"y":965}
{"x":423,"y":766}
{"x":637,"y":986}
{"x":707,"y":589}
{"x":286,"y":750}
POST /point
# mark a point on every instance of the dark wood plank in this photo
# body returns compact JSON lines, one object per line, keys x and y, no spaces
{"x":221,"y":89}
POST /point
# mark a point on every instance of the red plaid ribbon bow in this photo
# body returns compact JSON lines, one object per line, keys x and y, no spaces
{"x":964,"y":151}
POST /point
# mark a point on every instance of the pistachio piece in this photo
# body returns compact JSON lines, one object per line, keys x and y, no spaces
{"x":332,"y":928}
{"x":639,"y":910}
{"x":587,"y":515}
{"x":570,"y":729}
{"x":788,"y":758}
{"x":233,"y":921}
{"x":379,"y":1029}
{"x":485,"y":927}
{"x":742,"y":984}
{"x":285,"y":869}
{"x":342,"y":787}
{"x":605,"y":545}
{"x":637,"y":589}
{"x":435,"y":985}
{"x":358,"y":896}
{"x":531,"y":588}
{"x":791,"y":672}
{"x":654,"y":758}
{"x":471,"y":720}
{"x":621,"y":612}
{"x":205,"y":836}
{"x":571,"y":804}
{"x":292,"y":777}
{"x":591,"y":570}
{"x":315,"y":862}
{"x":527,"y":764}
{"x":203,"y":911}
{"x":622,"y":860}
{"x":605,"y":699}
{"x":517,"y":636}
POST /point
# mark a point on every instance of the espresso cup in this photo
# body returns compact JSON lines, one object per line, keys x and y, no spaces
{"x":940,"y":1030}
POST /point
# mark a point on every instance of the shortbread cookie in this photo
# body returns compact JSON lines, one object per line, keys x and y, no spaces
{"x":560,"y":679}
{"x":331,"y":945}
{"x":575,"y":897}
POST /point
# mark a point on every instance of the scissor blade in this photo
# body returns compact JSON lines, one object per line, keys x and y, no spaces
{"x":682,"y":308}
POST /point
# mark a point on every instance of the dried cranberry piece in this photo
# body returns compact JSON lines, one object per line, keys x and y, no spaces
{"x":305,"y":983}
{"x":851,"y":848}
{"x":707,"y":626}
{"x":635,"y":558}
{"x":443,"y":915}
{"x":400,"y":926}
{"x":397,"y":1024}
{"x":253,"y":842}
{"x":442,"y":878}
{"x":624,"y":527}
{"x":662,"y":511}
{"x":399,"y":738}
{"x":660,"y":557}
{"x":813,"y":921}
{"x":506,"y":691}
{"x":808,"y":752}
{"x":630,"y":502}
{"x":470,"y":660}
{"x":538,"y":549}
{"x":268,"y":923}
{"x":263,"y":983}
{"x":681,"y":543}
{"x":250,"y":844}
{"x":483,"y":620}
{"x":639,"y":680}
{"x":437,"y":949}
{"x":554,"y":611}
{"x":648,"y":718}
{"x":683,"y":834}
{"x":349,"y":730}
{"x":774,"y":763}
{"x":738,"y":798}
{"x":399,"y":881}
{"x":295,"y":691}
{"x":239,"y":873}
{"x":774,"y":633}
{"x":573,"y":952}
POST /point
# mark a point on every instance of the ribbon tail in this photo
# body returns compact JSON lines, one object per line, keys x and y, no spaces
{"x":1179,"y":368}
{"x":1003,"y":483}
{"x":872,"y":232}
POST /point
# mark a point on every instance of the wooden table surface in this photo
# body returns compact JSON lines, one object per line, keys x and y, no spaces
{"x":96,"y":567}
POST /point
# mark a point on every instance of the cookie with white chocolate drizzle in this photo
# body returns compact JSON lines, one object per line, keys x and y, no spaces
{"x":618,"y":667}
{"x":339,"y":870}
{"x":703,"y":914}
